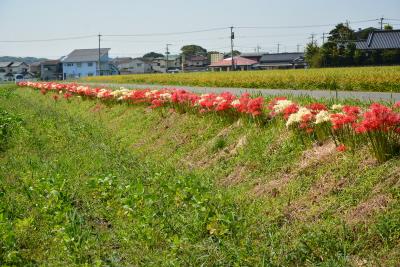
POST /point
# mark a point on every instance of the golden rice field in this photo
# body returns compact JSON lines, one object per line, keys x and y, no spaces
{"x":385,"y":79}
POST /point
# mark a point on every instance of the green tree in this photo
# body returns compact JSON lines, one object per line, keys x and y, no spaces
{"x":193,"y":50}
{"x":152,"y":55}
{"x":364,"y":33}
{"x":235,"y":53}
{"x":313,"y":55}
{"x":341,"y":34}
{"x":388,"y":27}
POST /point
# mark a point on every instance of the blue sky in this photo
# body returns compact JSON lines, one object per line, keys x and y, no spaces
{"x":47,"y":19}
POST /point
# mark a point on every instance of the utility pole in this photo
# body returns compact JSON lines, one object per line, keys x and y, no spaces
{"x":298,"y":48}
{"x":312,"y":37}
{"x":323,"y":38}
{"x":232,"y":37}
{"x":278,"y":44}
{"x":167,"y":53}
{"x":258,"y":49}
{"x":98,"y":63}
{"x":381,"y":22}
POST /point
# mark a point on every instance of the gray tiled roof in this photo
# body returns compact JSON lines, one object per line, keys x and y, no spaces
{"x":281,"y":57}
{"x":5,"y":64}
{"x":381,"y":40}
{"x":252,"y":54}
{"x":17,"y":64}
{"x":86,"y":55}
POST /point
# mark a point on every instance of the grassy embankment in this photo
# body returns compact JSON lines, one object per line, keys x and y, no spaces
{"x":83,"y":183}
{"x":379,"y":79}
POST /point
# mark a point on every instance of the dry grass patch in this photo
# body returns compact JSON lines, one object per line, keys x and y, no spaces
{"x":310,"y":157}
{"x":368,"y":208}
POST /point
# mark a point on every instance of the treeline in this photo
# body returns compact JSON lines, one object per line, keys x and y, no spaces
{"x":340,"y":50}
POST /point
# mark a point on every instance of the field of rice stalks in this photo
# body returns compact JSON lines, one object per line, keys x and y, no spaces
{"x":378,"y":79}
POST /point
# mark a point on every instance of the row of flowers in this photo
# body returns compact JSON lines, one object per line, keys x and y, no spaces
{"x":350,"y":127}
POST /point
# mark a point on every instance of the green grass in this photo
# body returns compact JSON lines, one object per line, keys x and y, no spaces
{"x":379,"y":79}
{"x":82,"y":183}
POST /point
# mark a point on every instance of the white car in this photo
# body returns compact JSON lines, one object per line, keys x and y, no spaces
{"x":20,"y":78}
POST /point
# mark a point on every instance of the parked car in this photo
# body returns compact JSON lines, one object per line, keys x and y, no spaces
{"x":20,"y":78}
{"x":174,"y":70}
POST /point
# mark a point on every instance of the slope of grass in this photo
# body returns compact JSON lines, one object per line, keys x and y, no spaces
{"x":383,"y":79}
{"x":82,"y":183}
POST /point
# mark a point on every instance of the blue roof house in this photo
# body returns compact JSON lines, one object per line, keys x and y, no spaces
{"x":84,"y":63}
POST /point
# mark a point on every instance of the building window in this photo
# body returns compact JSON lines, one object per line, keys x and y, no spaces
{"x":79,"y":65}
{"x":90,"y":64}
{"x":90,"y":74}
{"x":139,"y":64}
{"x":70,"y":64}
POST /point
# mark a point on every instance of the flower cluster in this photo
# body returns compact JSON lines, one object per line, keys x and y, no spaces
{"x":223,"y":102}
{"x":348,"y":126}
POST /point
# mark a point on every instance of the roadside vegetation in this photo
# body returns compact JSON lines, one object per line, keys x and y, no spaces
{"x":86,"y":182}
{"x":379,"y":79}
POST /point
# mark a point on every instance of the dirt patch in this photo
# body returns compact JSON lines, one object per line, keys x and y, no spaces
{"x":202,"y":158}
{"x":222,"y":154}
{"x":302,"y":208}
{"x":309,"y":158}
{"x":238,"y":175}
{"x":316,"y":154}
{"x":365,"y":210}
{"x":272,"y":187}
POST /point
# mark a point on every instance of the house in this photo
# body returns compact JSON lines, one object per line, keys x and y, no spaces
{"x":19,"y":67}
{"x":253,"y":56}
{"x":34,"y":68}
{"x":159,"y":64}
{"x":380,"y":40}
{"x":240,"y":63}
{"x":194,"y":63}
{"x":215,"y":57}
{"x":282,"y":61}
{"x":5,"y":71}
{"x":8,"y":70}
{"x":133,"y":65}
{"x":84,"y":62}
{"x":51,"y":70}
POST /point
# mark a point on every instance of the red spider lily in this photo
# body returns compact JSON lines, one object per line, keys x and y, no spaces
{"x":254,"y":106}
{"x":55,"y":97}
{"x":378,"y":117}
{"x":316,"y":107}
{"x":290,"y":110}
{"x":67,"y":96}
{"x":243,"y":102}
{"x":340,"y":120}
{"x":156,"y":103}
{"x":351,"y":110}
{"x":223,"y":105}
{"x":273,"y":102}
{"x":341,"y":148}
{"x":305,"y":123}
{"x":396,"y":105}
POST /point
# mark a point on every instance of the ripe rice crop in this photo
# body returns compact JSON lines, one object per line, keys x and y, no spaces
{"x":350,"y":127}
{"x":383,"y":79}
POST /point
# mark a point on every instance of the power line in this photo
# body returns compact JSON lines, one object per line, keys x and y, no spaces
{"x":300,"y":26}
{"x":168,"y":33}
{"x":49,"y":40}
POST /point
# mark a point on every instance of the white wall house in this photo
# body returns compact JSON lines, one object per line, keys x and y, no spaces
{"x":84,"y":62}
{"x":8,"y":70}
{"x":134,"y":66}
{"x":159,"y":63}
